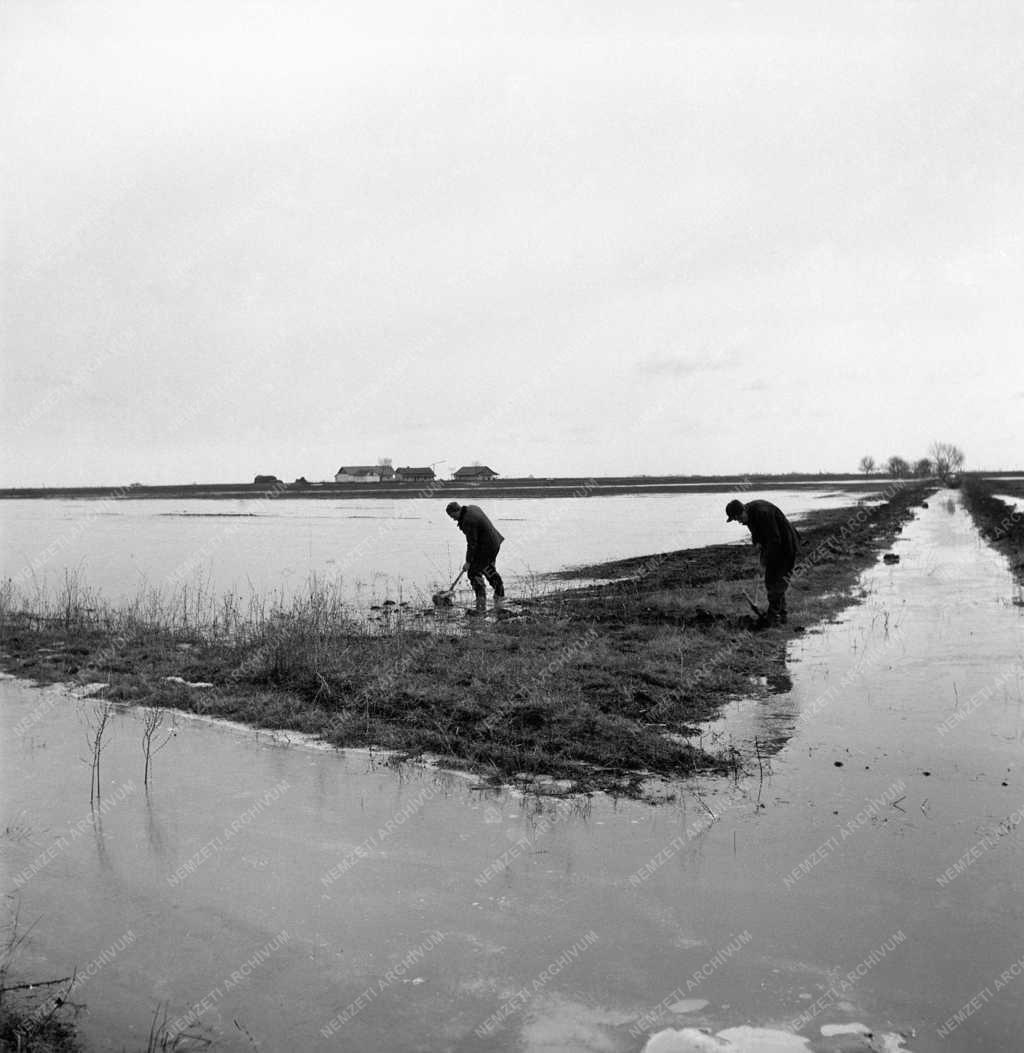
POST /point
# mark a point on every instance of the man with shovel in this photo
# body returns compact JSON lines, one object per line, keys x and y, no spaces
{"x":482,"y":544}
{"x":777,"y":541}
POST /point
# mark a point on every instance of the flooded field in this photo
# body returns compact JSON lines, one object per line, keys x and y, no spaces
{"x":1015,"y":501}
{"x":866,"y":870}
{"x":375,"y":549}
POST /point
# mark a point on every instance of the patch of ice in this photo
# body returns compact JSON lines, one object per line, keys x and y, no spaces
{"x":764,"y":1040}
{"x":732,"y":1040}
{"x":558,"y":1025}
{"x":688,"y":1005}
{"x":188,"y":683}
{"x":689,"y":1040}
{"x":830,"y":1030}
{"x":89,"y":689}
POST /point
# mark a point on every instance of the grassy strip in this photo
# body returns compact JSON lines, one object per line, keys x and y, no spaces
{"x":599,"y":685}
{"x":1000,"y":525}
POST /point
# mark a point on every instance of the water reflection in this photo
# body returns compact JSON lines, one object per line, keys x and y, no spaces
{"x":759,"y":725}
{"x":154,"y":831}
{"x":102,"y":855}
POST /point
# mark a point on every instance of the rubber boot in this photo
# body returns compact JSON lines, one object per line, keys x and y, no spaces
{"x":774,"y":615}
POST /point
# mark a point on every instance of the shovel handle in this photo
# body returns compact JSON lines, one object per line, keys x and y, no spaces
{"x":451,"y":588}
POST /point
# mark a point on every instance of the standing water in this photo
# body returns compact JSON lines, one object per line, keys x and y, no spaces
{"x":867,"y":871}
{"x":371,"y":549}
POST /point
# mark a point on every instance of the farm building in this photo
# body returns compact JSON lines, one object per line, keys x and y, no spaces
{"x":263,"y":480}
{"x":475,"y":473}
{"x":364,"y":473}
{"x":419,"y":474}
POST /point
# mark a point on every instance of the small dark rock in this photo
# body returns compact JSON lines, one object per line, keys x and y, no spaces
{"x":838,"y":763}
{"x":890,"y":557}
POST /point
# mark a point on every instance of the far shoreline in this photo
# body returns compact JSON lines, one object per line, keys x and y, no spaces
{"x":525,"y":487}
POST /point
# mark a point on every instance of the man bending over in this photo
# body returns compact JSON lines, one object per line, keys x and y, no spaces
{"x":777,"y":541}
{"x":482,"y":544}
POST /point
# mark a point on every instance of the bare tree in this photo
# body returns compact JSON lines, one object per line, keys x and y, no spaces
{"x":96,"y":725}
{"x":151,"y":722}
{"x":947,"y":459}
{"x":898,"y":467}
{"x":867,"y":464}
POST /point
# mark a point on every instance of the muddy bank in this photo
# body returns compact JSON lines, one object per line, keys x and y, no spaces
{"x":999,"y":524}
{"x":601,"y":685}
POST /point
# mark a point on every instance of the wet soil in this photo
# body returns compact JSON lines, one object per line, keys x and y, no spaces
{"x":1001,"y":524}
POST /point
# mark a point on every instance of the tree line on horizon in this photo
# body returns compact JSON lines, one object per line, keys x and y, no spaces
{"x":944,"y":459}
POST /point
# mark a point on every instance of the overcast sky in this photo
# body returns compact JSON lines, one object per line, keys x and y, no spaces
{"x":559,"y":237}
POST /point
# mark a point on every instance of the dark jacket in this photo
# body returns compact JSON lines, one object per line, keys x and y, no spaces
{"x":772,"y":531}
{"x":482,"y":537}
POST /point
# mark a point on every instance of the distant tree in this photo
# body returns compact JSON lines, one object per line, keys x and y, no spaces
{"x":898,"y":467}
{"x":923,"y":468}
{"x":946,"y":458}
{"x":867,"y":464}
{"x":384,"y":462}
